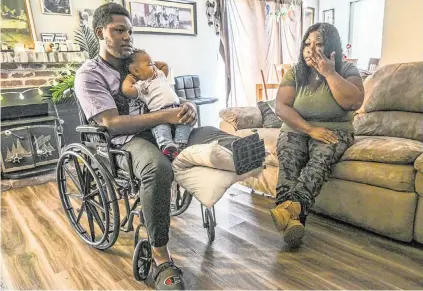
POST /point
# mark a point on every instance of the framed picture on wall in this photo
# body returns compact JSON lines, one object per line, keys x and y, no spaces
{"x":86,"y":17}
{"x":47,"y":37}
{"x":329,"y":16}
{"x":17,"y":24}
{"x":308,"y":18}
{"x":59,"y":7}
{"x":53,"y":37}
{"x":163,"y":17}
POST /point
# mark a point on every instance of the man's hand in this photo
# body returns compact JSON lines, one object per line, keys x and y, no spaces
{"x":324,"y":135}
{"x":188,"y":113}
{"x":322,"y":64}
{"x":172,"y":115}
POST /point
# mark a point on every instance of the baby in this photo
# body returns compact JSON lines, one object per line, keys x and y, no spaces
{"x":149,"y":84}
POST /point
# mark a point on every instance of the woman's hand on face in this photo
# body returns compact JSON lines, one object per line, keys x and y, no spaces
{"x":322,"y":64}
{"x":324,"y":135}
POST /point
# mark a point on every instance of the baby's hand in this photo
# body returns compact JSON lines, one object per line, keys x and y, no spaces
{"x":131,"y":78}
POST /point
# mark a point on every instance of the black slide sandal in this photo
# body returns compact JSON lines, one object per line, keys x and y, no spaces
{"x":248,"y":153}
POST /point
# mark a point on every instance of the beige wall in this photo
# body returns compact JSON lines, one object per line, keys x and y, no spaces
{"x":402,"y":31}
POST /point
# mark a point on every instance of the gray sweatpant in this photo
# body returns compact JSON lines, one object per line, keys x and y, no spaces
{"x":305,"y":164}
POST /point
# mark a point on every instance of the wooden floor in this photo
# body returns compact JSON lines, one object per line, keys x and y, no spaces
{"x":41,"y":251}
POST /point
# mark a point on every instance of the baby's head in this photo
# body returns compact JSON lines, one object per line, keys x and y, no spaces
{"x":140,"y":65}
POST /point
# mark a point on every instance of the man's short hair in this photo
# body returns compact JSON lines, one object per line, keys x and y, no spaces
{"x":103,"y":14}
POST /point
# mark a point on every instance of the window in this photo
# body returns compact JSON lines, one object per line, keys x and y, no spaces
{"x":366,"y":29}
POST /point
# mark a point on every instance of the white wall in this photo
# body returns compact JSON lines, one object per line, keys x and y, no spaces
{"x":189,"y":55}
{"x":185,"y":54}
{"x":313,"y":4}
{"x":402,"y":32}
{"x":342,"y":16}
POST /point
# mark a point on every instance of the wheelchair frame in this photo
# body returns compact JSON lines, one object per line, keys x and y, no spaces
{"x":99,"y":180}
{"x":100,"y":204}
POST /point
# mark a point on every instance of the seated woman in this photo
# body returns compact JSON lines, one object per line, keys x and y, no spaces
{"x":316,"y":100}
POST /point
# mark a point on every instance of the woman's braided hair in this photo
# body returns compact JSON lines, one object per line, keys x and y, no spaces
{"x":332,"y":43}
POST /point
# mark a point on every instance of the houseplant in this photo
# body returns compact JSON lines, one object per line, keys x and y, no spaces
{"x":88,"y":42}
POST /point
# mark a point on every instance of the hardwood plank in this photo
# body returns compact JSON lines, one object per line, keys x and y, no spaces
{"x":40,"y":250}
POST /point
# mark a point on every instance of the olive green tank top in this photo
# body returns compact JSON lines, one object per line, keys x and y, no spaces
{"x":319,"y":107}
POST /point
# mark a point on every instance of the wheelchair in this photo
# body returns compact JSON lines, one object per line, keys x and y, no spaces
{"x":91,"y":204}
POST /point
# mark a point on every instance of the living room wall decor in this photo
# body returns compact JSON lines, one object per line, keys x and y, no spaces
{"x":59,"y":7}
{"x":163,"y":17}
{"x":17,"y":24}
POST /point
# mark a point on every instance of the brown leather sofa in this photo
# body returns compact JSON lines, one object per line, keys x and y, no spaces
{"x":378,"y":183}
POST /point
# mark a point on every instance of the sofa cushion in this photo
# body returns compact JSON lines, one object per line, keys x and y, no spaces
{"x":242,"y":117}
{"x":419,"y":184}
{"x":390,"y":123}
{"x":270,"y":120}
{"x":394,"y":177}
{"x":418,"y":164}
{"x":270,"y":137}
{"x":396,"y":87}
{"x":384,"y":211}
{"x":383,"y":149}
{"x":418,"y":224}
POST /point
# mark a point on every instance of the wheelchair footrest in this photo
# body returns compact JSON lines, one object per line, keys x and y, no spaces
{"x":248,"y":153}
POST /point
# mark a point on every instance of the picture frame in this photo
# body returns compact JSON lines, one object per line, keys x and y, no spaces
{"x":60,"y":37}
{"x":308,"y":18}
{"x":86,"y":17}
{"x":56,"y":7}
{"x":53,"y":37}
{"x":47,"y":37}
{"x":329,"y":16}
{"x":163,"y":17}
{"x":17,"y":28}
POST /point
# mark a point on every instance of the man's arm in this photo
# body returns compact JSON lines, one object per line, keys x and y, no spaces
{"x":162,"y":66}
{"x":98,"y":104}
{"x":130,"y":124}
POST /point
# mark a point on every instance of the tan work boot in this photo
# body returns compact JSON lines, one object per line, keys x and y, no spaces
{"x":286,"y":219}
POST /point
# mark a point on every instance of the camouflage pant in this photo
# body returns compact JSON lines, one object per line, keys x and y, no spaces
{"x":305,"y":164}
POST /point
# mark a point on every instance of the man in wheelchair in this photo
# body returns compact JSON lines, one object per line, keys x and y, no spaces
{"x":98,"y":90}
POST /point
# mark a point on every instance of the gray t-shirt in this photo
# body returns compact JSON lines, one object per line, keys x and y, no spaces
{"x":97,"y":87}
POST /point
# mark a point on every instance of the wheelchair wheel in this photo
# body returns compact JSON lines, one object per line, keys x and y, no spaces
{"x":210,"y":225}
{"x":179,"y":201}
{"x":88,"y":197}
{"x":141,"y":260}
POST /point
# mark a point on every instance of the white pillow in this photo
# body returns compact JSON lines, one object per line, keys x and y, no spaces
{"x":207,"y":171}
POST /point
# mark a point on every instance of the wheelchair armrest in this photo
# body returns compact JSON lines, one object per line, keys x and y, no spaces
{"x":94,"y":130}
{"x":91,"y":129}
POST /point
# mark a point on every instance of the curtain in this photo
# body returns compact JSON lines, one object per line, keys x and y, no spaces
{"x":291,"y":33}
{"x":254,"y":36}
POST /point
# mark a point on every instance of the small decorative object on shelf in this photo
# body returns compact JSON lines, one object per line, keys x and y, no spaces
{"x":5,"y":47}
{"x":348,"y":50}
{"x":19,"y":47}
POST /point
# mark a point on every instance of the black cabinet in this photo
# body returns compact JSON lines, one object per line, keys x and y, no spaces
{"x":29,"y":146}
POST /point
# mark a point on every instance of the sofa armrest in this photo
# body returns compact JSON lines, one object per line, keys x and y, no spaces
{"x":227,"y":127}
{"x":418,"y":164}
{"x":242,"y":117}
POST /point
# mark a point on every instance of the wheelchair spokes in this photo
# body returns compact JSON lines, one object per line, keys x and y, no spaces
{"x":87,"y":198}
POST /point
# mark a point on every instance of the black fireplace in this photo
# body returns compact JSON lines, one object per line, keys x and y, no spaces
{"x":30,"y":138}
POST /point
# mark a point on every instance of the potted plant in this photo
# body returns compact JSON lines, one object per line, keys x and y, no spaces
{"x":61,"y":104}
{"x":88,"y":42}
